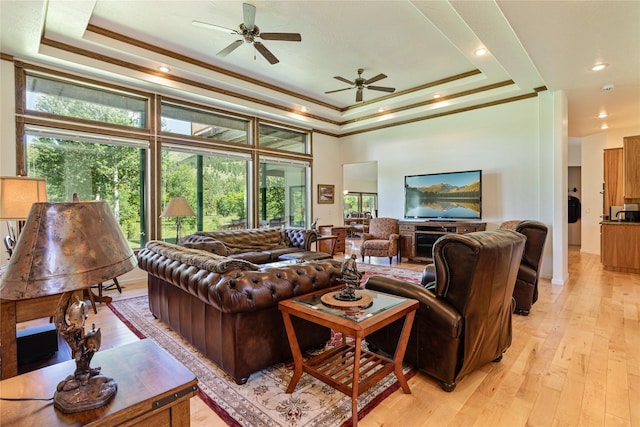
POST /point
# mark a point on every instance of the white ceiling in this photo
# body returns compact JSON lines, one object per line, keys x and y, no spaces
{"x":420,"y":45}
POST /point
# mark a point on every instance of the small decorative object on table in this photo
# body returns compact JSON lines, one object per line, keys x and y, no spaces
{"x":85,"y":389}
{"x":351,"y":278}
{"x":314,"y":227}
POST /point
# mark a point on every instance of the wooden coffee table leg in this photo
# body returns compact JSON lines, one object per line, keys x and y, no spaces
{"x":356,"y":381}
{"x":400,"y":350}
{"x":295,"y":351}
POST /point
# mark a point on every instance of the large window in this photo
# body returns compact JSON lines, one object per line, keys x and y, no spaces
{"x":216,"y":185}
{"x":360,"y":205}
{"x":95,"y":168}
{"x":62,"y":98}
{"x":203,"y":124}
{"x":97,"y":140}
{"x":283,"y":139}
{"x":284,"y":197}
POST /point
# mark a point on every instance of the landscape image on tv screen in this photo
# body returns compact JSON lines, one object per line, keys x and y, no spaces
{"x":455,"y":195}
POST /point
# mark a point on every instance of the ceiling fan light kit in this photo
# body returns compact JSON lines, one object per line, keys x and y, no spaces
{"x":361,"y":83}
{"x":249,"y":33}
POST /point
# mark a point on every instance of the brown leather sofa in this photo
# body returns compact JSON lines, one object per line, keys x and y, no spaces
{"x":257,"y":245}
{"x":228,"y":308}
{"x":525,"y":292}
{"x":465,"y":322}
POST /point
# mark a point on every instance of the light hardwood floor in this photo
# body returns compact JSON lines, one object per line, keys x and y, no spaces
{"x":574,"y":361}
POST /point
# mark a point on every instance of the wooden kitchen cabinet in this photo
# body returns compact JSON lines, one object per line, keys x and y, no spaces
{"x":613,"y":178}
{"x":632,"y":169}
{"x":620,"y":246}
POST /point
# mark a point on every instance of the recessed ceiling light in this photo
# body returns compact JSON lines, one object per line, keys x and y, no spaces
{"x":603,"y":115}
{"x":599,"y":67}
{"x":164,"y":68}
{"x":481,"y":51}
{"x":381,"y":110}
{"x":605,"y":126}
{"x":437,"y":95}
{"x":303,"y":109}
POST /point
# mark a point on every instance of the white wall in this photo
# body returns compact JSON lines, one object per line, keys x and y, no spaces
{"x":506,"y":150}
{"x":7,"y":120}
{"x":327,"y":169}
{"x":7,"y":133}
{"x":592,"y":179}
{"x":360,"y":177}
{"x":504,"y":141}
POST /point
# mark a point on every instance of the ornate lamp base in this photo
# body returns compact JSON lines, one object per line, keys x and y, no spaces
{"x":72,"y":396}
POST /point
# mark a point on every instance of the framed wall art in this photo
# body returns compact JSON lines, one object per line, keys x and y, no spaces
{"x":326,"y":193}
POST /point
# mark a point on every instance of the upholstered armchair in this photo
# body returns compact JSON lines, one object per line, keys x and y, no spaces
{"x":382,"y":239}
{"x":525,"y":292}
{"x":465,"y":322}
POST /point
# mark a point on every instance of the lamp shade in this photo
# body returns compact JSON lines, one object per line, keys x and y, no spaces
{"x":65,"y":247}
{"x":178,"y":206}
{"x":17,"y":194}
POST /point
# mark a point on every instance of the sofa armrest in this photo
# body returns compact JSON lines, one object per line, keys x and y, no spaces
{"x":300,"y":238}
{"x":437,"y":312}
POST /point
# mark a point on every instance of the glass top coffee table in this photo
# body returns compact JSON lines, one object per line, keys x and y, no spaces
{"x":347,"y":367}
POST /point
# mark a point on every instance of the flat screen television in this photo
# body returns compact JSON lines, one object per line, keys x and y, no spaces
{"x":451,"y":195}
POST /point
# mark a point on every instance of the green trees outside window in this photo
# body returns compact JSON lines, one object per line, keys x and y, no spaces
{"x":215,"y":186}
{"x":95,"y":140}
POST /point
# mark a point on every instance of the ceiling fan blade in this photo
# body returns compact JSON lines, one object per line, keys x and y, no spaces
{"x":339,"y":90}
{"x":227,"y":50}
{"x":289,"y":37}
{"x":382,"y":88}
{"x":213,"y":27}
{"x":266,"y":53}
{"x":359,"y":95}
{"x":375,"y":79}
{"x":249,"y":15}
{"x":342,"y":79}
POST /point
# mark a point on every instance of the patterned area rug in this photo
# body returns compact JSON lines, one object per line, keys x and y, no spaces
{"x":262,"y":400}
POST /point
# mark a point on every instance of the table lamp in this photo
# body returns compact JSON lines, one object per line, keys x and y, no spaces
{"x":178,"y":207}
{"x":17,"y":194}
{"x":66,"y":247}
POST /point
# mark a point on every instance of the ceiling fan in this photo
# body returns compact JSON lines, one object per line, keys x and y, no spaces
{"x":249,"y":32}
{"x":361,"y":83}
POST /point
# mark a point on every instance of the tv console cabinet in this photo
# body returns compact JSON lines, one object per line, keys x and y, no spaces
{"x":417,"y":238}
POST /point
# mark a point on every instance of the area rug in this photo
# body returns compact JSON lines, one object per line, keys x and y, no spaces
{"x":262,"y":400}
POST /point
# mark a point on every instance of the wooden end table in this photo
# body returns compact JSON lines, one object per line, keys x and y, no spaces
{"x":348,"y":368}
{"x":331,"y":240}
{"x":153,"y":389}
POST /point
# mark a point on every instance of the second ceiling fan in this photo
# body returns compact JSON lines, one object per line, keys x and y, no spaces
{"x":361,"y":83}
{"x":249,"y":31}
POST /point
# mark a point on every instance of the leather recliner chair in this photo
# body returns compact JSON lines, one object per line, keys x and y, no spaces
{"x":525,"y":292}
{"x":465,"y":321}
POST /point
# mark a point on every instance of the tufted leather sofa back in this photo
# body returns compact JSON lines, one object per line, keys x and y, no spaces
{"x":255,"y":239}
{"x":240,"y":288}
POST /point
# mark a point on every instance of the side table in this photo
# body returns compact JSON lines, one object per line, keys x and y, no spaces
{"x":13,"y":312}
{"x":348,"y":368}
{"x":331,"y":242}
{"x":153,"y":389}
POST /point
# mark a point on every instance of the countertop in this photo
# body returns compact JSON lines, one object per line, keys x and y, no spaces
{"x":609,"y":222}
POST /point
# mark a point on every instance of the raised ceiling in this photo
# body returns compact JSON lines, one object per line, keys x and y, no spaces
{"x":424,"y":47}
